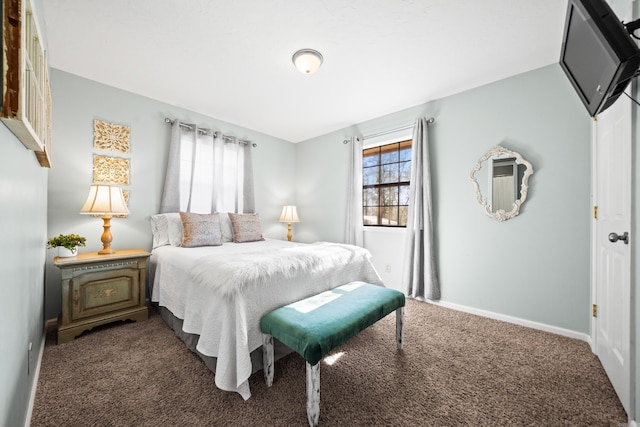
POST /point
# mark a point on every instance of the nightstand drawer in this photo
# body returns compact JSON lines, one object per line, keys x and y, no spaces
{"x":104,"y":292}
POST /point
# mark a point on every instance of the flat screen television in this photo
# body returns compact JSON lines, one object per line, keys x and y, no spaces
{"x":598,"y":55}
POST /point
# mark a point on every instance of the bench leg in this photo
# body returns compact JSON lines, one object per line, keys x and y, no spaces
{"x":267,"y":358}
{"x":313,"y":394}
{"x":400,"y":327}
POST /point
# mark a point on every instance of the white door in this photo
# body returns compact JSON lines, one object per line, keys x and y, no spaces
{"x":612,"y":252}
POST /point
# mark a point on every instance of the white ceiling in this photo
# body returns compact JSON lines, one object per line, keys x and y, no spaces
{"x":232,"y":59}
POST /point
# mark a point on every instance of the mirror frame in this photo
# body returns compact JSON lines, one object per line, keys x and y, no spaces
{"x":499,"y":152}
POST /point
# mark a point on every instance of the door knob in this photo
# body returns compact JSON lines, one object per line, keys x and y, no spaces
{"x":613,"y":237}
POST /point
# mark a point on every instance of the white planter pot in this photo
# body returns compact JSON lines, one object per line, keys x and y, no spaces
{"x":65,"y":253}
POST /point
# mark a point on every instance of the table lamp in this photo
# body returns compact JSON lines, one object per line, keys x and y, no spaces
{"x":105,"y":200}
{"x":289,"y":214}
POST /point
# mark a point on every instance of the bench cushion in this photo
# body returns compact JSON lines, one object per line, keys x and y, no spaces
{"x":314,"y":326}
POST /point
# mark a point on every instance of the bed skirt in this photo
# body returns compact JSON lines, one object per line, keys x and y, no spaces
{"x":191,"y":340}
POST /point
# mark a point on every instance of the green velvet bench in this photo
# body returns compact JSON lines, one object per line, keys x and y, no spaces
{"x":316,"y":325}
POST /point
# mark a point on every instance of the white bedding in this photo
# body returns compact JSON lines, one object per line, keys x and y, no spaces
{"x":215,"y":291}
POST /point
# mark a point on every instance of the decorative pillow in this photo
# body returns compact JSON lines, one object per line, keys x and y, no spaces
{"x":227,"y":229}
{"x":246,"y":227}
{"x":166,"y":229}
{"x":200,"y":230}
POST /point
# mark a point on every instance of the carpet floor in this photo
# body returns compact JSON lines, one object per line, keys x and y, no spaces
{"x":457,"y":369}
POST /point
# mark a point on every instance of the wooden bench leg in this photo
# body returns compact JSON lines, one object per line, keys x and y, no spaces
{"x":400,"y":327}
{"x":267,"y":358}
{"x":313,"y":393}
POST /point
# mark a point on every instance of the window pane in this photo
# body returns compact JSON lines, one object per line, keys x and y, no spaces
{"x":405,"y":151}
{"x":403,"y":213}
{"x":371,"y":157}
{"x":389,"y":153}
{"x":389,"y":196}
{"x":405,"y":171}
{"x":370,"y":175}
{"x":390,"y":173}
{"x":370,"y":196}
{"x":389,"y":215}
{"x":370,"y":216}
{"x":404,"y":195}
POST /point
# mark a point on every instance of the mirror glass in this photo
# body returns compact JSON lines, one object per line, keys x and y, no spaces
{"x":501,"y":181}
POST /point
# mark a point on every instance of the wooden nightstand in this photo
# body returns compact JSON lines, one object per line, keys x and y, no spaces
{"x":98,"y":289}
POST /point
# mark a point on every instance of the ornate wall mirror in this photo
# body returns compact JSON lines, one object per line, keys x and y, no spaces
{"x":501,"y":181}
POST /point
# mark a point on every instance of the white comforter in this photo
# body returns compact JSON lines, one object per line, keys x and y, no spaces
{"x":221,"y":292}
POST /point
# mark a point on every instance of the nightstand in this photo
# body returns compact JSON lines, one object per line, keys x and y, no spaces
{"x":98,"y":289}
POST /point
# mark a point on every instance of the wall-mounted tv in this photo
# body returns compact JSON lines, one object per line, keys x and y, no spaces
{"x":598,"y":55}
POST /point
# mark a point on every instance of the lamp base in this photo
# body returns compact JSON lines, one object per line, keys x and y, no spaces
{"x":289,"y":235}
{"x":106,"y":237}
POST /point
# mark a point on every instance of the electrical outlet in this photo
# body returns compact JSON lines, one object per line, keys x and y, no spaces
{"x":29,"y":357}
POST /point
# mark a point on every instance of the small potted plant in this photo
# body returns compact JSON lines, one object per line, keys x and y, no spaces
{"x":67,"y":244}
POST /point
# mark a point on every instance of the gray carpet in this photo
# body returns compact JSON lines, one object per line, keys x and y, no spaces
{"x":456,"y":369}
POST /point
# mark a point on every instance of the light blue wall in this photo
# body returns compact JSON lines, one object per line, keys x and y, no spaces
{"x":534,"y":267}
{"x":23,"y":222}
{"x":77,"y":102}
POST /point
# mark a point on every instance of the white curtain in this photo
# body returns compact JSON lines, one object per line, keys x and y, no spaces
{"x":419,"y":277}
{"x":355,"y":227}
{"x":206,"y":174}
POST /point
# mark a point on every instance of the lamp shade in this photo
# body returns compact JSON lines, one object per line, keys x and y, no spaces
{"x":289,"y":214}
{"x":307,"y":61}
{"x":105,"y":199}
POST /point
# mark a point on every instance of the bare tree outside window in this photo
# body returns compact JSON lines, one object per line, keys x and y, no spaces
{"x":386,"y":176}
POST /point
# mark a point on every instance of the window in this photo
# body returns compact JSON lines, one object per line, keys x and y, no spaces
{"x":25,"y":106}
{"x":386,"y":175}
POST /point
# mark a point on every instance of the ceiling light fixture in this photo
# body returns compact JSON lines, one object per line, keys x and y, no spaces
{"x":307,"y":61}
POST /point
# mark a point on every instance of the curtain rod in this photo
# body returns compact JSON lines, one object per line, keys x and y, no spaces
{"x":205,"y":131}
{"x":430,"y":120}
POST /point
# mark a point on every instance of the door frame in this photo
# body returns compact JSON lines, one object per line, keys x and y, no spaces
{"x":593,"y":229}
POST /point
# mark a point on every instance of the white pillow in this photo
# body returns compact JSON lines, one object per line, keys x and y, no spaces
{"x":174,"y":229}
{"x":166,"y":229}
{"x":225,"y":225}
{"x":159,"y":230}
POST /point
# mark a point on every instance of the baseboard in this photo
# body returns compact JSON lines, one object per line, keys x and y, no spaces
{"x":515,"y":320}
{"x":48,"y":325}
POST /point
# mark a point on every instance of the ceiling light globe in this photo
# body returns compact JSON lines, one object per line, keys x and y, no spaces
{"x":307,"y":61}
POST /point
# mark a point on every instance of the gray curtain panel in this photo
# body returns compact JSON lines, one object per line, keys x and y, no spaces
{"x":170,"y":201}
{"x":354,"y":233}
{"x":420,"y":278}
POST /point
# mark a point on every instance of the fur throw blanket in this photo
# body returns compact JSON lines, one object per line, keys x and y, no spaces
{"x":232,"y":274}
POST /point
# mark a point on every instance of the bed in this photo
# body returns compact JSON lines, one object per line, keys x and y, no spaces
{"x":214,"y":295}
